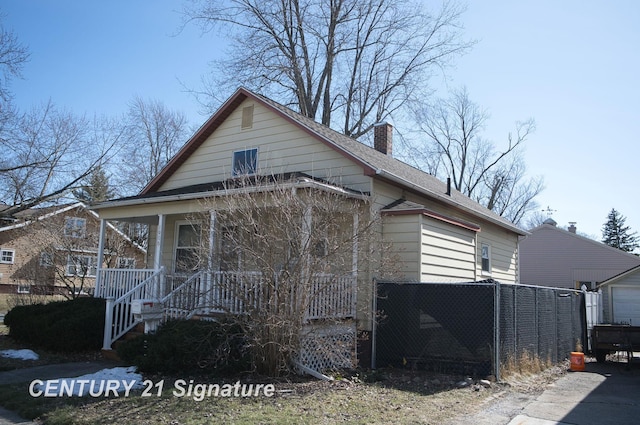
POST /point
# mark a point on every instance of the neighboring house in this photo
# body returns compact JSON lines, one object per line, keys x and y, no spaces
{"x":551,"y":256}
{"x":437,"y":234}
{"x":54,"y":250}
{"x":621,"y":298}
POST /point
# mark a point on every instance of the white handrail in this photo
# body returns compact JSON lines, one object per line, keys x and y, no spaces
{"x":118,"y":316}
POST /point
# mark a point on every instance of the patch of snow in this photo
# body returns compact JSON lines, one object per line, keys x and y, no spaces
{"x":122,"y":379}
{"x":20,"y":354}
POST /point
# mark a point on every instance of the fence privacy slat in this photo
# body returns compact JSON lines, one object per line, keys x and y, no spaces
{"x":456,"y":325}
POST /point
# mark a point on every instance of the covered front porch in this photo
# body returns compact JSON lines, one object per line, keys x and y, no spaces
{"x":209,"y":255}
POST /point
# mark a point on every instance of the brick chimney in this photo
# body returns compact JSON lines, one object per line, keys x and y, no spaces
{"x":383,"y":138}
{"x":572,"y":226}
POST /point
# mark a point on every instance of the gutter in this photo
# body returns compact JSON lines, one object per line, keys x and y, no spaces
{"x":303,"y":183}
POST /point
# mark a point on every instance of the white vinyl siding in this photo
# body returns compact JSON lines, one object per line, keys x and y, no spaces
{"x":503,"y":251}
{"x":283,"y":147}
{"x":447,"y":252}
{"x":403,"y":233}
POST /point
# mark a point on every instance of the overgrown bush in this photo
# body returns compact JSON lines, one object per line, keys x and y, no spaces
{"x":62,"y":326}
{"x":187,"y":346}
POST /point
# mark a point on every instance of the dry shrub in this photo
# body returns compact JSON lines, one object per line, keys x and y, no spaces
{"x":525,"y":363}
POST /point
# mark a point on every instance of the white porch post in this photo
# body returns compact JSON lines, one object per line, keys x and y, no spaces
{"x":99,"y":290}
{"x":157,"y":257}
{"x":354,"y":264}
{"x":210,"y":297}
{"x":307,"y":292}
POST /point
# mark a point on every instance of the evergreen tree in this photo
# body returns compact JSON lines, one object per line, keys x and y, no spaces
{"x":97,"y":189}
{"x":617,"y":235}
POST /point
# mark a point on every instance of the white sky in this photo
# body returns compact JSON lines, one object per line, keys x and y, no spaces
{"x":571,"y":65}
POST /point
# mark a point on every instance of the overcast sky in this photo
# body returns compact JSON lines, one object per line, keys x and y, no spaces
{"x":573,"y":66}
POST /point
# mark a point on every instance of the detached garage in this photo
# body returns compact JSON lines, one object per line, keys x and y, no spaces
{"x":621,"y":298}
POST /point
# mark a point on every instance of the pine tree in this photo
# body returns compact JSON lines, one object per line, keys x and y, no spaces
{"x":97,"y":189}
{"x":617,"y":235}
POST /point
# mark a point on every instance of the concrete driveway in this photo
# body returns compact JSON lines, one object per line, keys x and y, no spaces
{"x":606,"y":393}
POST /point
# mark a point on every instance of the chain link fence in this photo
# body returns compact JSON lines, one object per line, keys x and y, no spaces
{"x":476,"y":328}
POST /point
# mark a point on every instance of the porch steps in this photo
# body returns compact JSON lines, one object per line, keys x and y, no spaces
{"x":112,"y":354}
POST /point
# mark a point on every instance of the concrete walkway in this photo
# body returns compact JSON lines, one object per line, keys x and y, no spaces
{"x":63,"y":370}
{"x":602,"y":394}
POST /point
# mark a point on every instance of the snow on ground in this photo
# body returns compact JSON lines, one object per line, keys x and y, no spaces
{"x":120,"y":379}
{"x":20,"y":354}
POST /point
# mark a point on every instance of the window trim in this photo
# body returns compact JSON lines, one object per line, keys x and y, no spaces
{"x":46,"y":259}
{"x":176,"y":245}
{"x":238,"y":173}
{"x":71,"y":232}
{"x":485,"y":271}
{"x":93,"y":265}
{"x":2,"y":256}
{"x":129,"y":261}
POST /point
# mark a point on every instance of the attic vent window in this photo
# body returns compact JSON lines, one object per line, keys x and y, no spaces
{"x":245,"y":163}
{"x":247,"y":117}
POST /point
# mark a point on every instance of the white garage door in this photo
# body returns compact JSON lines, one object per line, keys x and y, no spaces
{"x":626,"y":305}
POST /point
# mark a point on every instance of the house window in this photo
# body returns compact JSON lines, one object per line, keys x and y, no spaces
{"x":486,"y":259}
{"x":7,"y":256}
{"x":187,"y":247}
{"x":126,"y":263}
{"x":75,"y":227}
{"x":245,"y":163}
{"x":82,"y":265}
{"x":24,"y":289}
{"x":591,"y":286}
{"x":46,"y":259}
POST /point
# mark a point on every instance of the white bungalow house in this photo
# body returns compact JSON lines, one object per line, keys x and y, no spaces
{"x":436,"y":233}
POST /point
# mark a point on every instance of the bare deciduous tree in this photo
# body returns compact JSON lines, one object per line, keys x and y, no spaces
{"x":352,"y":63}
{"x":286,"y":253}
{"x":154,"y":133}
{"x":455,"y":148}
{"x":13,"y":56}
{"x":48,"y":152}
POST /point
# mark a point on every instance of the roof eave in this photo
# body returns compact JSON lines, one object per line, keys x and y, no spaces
{"x":399,"y":180}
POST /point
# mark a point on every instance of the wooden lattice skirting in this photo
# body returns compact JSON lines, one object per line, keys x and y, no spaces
{"x":325,"y":347}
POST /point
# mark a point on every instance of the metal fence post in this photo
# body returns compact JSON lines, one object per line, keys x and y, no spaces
{"x":374,"y":308}
{"x":496,"y":330}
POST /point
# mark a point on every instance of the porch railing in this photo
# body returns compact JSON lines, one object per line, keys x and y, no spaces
{"x":185,"y":299}
{"x":118,"y":316}
{"x":329,"y":296}
{"x":113,"y":283}
{"x":332,"y":297}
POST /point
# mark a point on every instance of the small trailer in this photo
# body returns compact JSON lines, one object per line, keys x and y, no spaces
{"x":607,"y":339}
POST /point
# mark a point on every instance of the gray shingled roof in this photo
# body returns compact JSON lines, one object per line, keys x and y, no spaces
{"x":387,"y":166}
